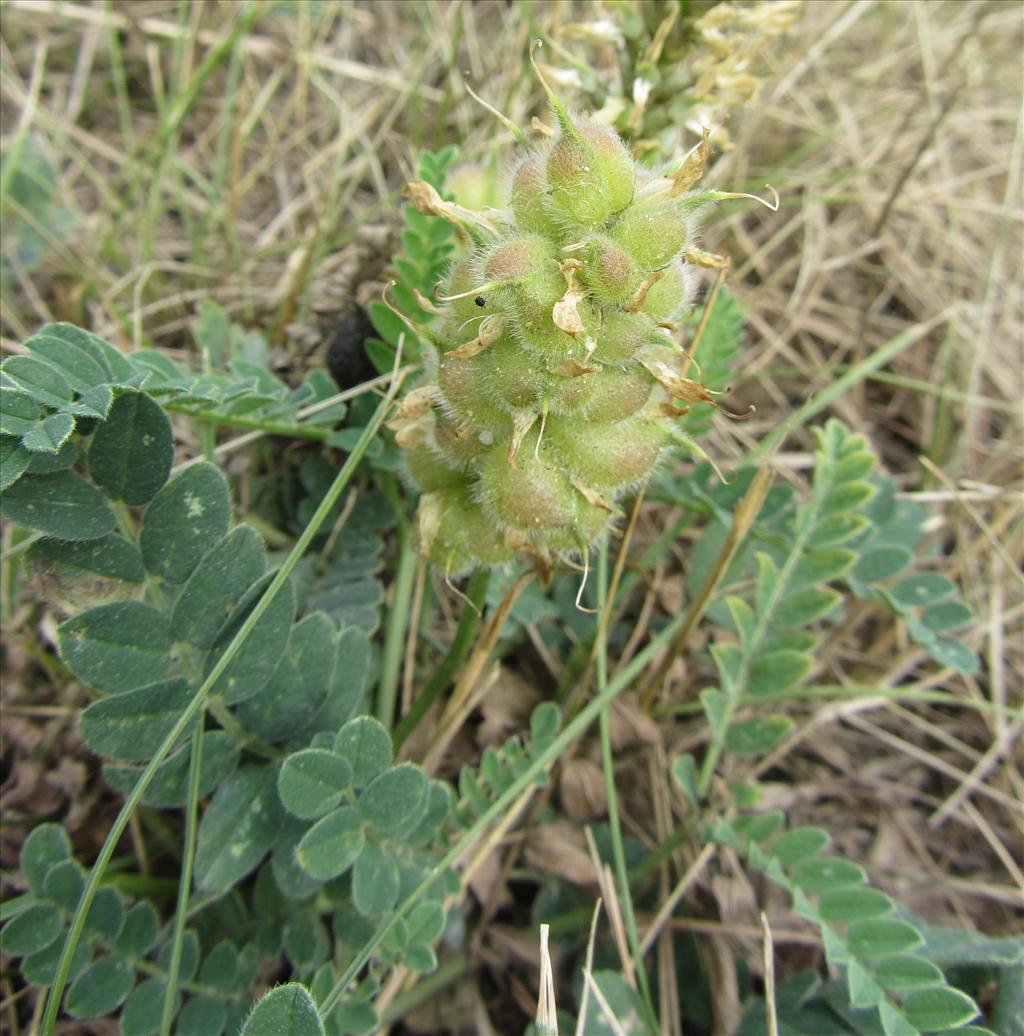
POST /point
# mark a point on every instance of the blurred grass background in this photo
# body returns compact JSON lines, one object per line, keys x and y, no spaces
{"x":157,"y":154}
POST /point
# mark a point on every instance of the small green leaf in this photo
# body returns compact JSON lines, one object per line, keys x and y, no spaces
{"x":714,"y":703}
{"x":901,"y":974}
{"x":289,"y":702}
{"x":213,"y":333}
{"x":260,"y":655}
{"x":947,"y":615}
{"x":395,"y":800}
{"x":374,"y":881}
{"x":285,"y":1011}
{"x":133,"y":724}
{"x":950,"y":652}
{"x":41,"y":968}
{"x":132,"y":450}
{"x":85,"y":573}
{"x":289,"y":877}
{"x":439,"y":807}
{"x":140,"y":931}
{"x":940,"y":1008}
{"x":365,"y":743}
{"x":220,"y":966}
{"x":426,"y":922}
{"x":184,"y":520}
{"x":216,"y":585}
{"x":117,"y":647}
{"x":685,"y":773}
{"x":142,"y":1012}
{"x":847,"y":497}
{"x":864,"y":991}
{"x":837,"y":528}
{"x":729,"y":661}
{"x":388,"y":325}
{"x":883,"y":937}
{"x":800,"y":843}
{"x":778,"y":671}
{"x":31,"y":931}
{"x":742,"y":617}
{"x":829,"y":872}
{"x":854,"y":466}
{"x":420,"y":957}
{"x":49,"y":463}
{"x":545,"y":720}
{"x":50,"y":434}
{"x":238,"y":828}
{"x":189,"y":963}
{"x":45,"y":846}
{"x":64,"y":884}
{"x":18,"y":414}
{"x":75,"y":363}
{"x":767,"y":582}
{"x":756,"y":735}
{"x":881,"y":563}
{"x":925,"y":588}
{"x":804,"y":607}
{"x":854,"y":904}
{"x":356,"y":1016}
{"x":101,"y":988}
{"x":37,"y":379}
{"x":14,"y":461}
{"x":313,"y":781}
{"x":106,"y":916}
{"x":822,"y":565}
{"x":169,"y":787}
{"x":305,"y":942}
{"x":61,"y":505}
{"x":331,"y":845}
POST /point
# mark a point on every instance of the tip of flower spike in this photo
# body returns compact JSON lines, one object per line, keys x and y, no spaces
{"x":503,"y":119}
{"x":773,"y":205}
{"x":564,"y":119}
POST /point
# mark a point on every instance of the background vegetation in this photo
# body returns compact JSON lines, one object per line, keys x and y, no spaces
{"x":219,"y":182}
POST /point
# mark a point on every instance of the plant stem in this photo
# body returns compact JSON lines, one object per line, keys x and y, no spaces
{"x":398,"y":618}
{"x":469,"y":620}
{"x":185,"y":886}
{"x":614,"y":824}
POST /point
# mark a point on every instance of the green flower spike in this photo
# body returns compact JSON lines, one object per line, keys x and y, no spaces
{"x":550,"y":379}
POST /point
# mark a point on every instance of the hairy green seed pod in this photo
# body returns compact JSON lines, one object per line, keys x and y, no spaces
{"x":461,"y":380}
{"x":529,"y":198}
{"x":670,"y":294}
{"x":617,"y":393}
{"x":459,"y":445}
{"x":429,"y":470}
{"x":654,"y":232}
{"x":590,"y":174}
{"x":527,"y":267}
{"x":607,"y":456}
{"x":456,"y":534}
{"x":524,"y":493}
{"x":610,"y":272}
{"x":623,"y":334}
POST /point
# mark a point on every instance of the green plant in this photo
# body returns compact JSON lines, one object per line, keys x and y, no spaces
{"x":551,"y":384}
{"x":233,"y":687}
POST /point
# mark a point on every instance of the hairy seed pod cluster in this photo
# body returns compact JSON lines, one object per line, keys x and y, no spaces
{"x":551,"y":380}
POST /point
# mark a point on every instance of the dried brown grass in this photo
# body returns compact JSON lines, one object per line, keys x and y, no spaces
{"x":893,"y":133}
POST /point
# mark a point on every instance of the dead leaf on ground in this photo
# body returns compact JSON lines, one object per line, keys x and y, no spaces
{"x":558,"y":849}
